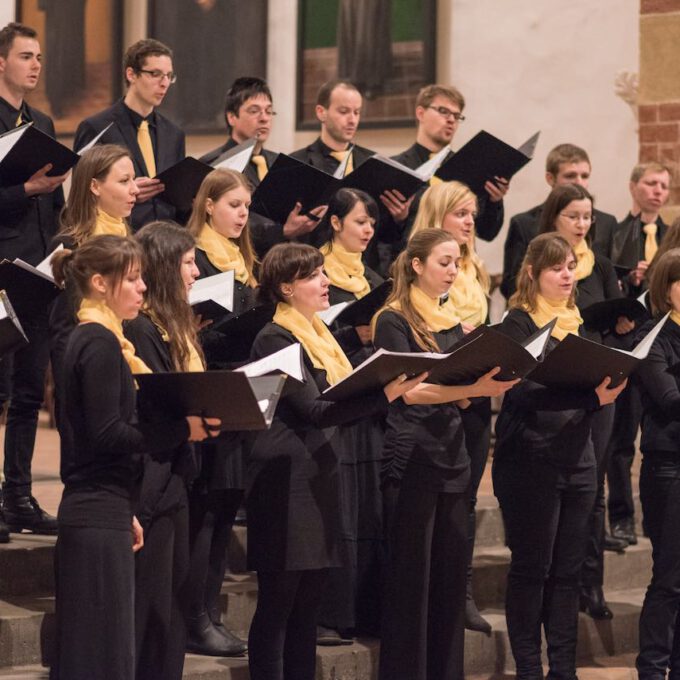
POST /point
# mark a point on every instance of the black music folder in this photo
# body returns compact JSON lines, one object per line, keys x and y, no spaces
{"x":476,"y":354}
{"x":182,"y":181}
{"x":240,"y":331}
{"x":361,"y":312}
{"x":290,"y":181}
{"x":25,"y":150}
{"x":12,"y":336}
{"x":240,"y":402}
{"x":30,"y":288}
{"x":577,"y":363}
{"x":603,"y":316}
{"x":378,"y":174}
{"x":485,"y":157}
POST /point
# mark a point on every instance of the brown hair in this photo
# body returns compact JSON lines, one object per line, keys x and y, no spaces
{"x":79,"y":215}
{"x":164,"y":244}
{"x":110,"y":256}
{"x":665,"y":274}
{"x":419,"y":246}
{"x":544,"y":251}
{"x":323,"y":97}
{"x":670,"y":240}
{"x":285,"y":263}
{"x":11,"y":31}
{"x":560,"y":197}
{"x":136,"y":55}
{"x":564,"y":153}
{"x":427,"y":95}
{"x":641,"y":169}
{"x":214,"y":186}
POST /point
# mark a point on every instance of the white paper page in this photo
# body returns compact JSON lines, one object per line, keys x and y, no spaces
{"x":238,"y":159}
{"x":342,"y":168}
{"x":401,"y":166}
{"x":529,"y":146}
{"x":537,"y":345}
{"x":328,"y":316}
{"x":219,"y":288}
{"x":428,"y":168}
{"x":287,"y":360}
{"x":642,"y":350}
{"x":9,"y":139}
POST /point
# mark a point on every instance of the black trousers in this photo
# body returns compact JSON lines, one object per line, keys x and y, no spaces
{"x":161,"y":570}
{"x":547,"y":518}
{"x":423,"y":632}
{"x":282,"y":639}
{"x":95,"y":592}
{"x":592,"y":573}
{"x":628,"y":413}
{"x":22,"y":376}
{"x":660,"y":497}
{"x":211,"y":517}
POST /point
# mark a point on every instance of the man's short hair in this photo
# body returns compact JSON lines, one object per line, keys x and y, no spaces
{"x":243,"y":89}
{"x":323,"y":98}
{"x":137,"y":54}
{"x":428,"y":93}
{"x":641,"y":169}
{"x":564,"y":153}
{"x":11,"y":31}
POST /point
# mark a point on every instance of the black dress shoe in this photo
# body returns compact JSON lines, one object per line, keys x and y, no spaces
{"x":235,"y":641}
{"x":23,"y":512}
{"x":328,"y":637}
{"x":624,"y":529}
{"x":617,"y":545}
{"x":474,"y":620}
{"x":592,"y":603}
{"x":204,"y":637}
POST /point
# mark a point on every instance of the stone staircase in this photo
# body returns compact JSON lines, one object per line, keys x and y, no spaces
{"x":606,"y":648}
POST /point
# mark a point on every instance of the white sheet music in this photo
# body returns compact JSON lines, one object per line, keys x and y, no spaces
{"x":219,"y":288}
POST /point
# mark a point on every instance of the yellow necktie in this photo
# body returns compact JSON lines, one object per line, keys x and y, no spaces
{"x":340,"y":157}
{"x":19,"y":120}
{"x":260,"y":162}
{"x":650,"y":241}
{"x":434,"y":180}
{"x":146,"y":147}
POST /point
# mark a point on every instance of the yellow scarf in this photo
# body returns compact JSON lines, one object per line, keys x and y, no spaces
{"x":675,"y":316}
{"x":585,"y":261}
{"x":568,"y":320}
{"x":223,"y":253}
{"x":316,"y":340}
{"x":195,"y":362}
{"x":345,"y":270}
{"x":468,"y":296}
{"x":437,"y":317}
{"x":99,"y":312}
{"x":109,"y":226}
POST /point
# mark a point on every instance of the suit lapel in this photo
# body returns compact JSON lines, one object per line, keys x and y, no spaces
{"x":129,"y":134}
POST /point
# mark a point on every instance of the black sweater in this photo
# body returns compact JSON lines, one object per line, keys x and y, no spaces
{"x":423,"y":442}
{"x":541,"y":421}
{"x":660,"y":391}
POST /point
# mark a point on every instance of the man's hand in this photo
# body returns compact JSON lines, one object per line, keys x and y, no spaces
{"x":297,"y":224}
{"x":40,"y":183}
{"x":497,"y":189}
{"x":637,"y":275}
{"x":396,"y":204}
{"x":148,"y":188}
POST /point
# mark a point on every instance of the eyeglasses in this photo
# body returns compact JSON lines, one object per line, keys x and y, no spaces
{"x":447,"y":113}
{"x":256,"y":112}
{"x":159,"y":75}
{"x":588,"y":219}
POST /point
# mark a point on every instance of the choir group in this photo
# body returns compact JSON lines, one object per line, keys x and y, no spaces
{"x":360,"y":512}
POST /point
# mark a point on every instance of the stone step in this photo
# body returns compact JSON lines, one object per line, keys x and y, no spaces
{"x":27,"y":637}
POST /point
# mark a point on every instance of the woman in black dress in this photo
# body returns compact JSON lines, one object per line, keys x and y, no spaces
{"x":568,"y":211}
{"x":294,"y":525}
{"x":544,"y":472}
{"x":660,"y":475}
{"x":165,"y":338}
{"x":426,"y":472}
{"x":219,"y":222}
{"x":98,"y":533}
{"x":452,"y":206}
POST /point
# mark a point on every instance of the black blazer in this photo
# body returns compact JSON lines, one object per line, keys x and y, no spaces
{"x":524,"y":227}
{"x":631,"y":229}
{"x":27,"y":223}
{"x":169,"y":150}
{"x":264,"y":233}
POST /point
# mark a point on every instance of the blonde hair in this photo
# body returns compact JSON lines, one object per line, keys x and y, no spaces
{"x":437,"y":202}
{"x":214,"y":186}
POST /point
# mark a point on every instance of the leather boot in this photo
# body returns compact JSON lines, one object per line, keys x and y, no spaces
{"x":473,"y":619}
{"x":624,"y":529}
{"x":592,"y":602}
{"x":203,"y":637}
{"x":22,"y":512}
{"x":4,"y":530}
{"x":234,"y":640}
{"x":616,"y":545}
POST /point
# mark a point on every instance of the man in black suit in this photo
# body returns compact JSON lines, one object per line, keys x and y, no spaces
{"x":154,"y":141}
{"x":28,"y":221}
{"x":439,"y":112}
{"x":634,"y":241}
{"x":565,"y":164}
{"x":249,"y":114}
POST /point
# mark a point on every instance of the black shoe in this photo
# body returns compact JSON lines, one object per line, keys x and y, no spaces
{"x":204,"y":637}
{"x":592,"y":603}
{"x":474,"y":620}
{"x":617,"y":545}
{"x":23,"y":512}
{"x":232,"y":639}
{"x":327,"y":637}
{"x":4,"y":530}
{"x":624,"y":529}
